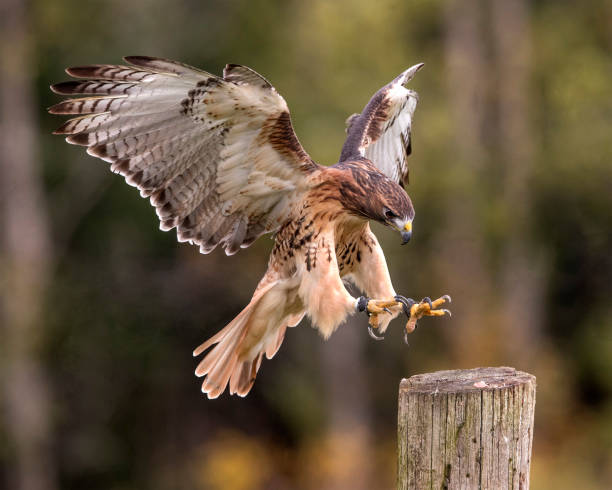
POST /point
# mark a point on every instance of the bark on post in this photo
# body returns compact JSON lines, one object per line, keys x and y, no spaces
{"x":466,"y":429}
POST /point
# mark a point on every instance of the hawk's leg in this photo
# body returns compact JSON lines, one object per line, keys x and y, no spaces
{"x":415,"y":311}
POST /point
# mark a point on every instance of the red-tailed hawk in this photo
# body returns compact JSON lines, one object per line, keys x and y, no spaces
{"x":219,"y":160}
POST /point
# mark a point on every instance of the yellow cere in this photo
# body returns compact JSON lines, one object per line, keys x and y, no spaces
{"x":408,"y":226}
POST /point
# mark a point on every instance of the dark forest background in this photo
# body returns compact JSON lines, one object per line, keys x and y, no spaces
{"x":511,"y":177}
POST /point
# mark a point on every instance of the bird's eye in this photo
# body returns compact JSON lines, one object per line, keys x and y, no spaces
{"x":390,"y":214}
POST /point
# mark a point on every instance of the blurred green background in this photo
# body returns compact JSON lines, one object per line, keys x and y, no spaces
{"x":511,"y":177}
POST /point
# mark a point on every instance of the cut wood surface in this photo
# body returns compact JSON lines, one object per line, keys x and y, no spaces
{"x":466,"y":429}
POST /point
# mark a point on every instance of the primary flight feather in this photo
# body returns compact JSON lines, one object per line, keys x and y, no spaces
{"x":219,"y":160}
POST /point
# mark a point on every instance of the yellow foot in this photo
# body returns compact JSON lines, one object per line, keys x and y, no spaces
{"x":374,"y":308}
{"x":415,"y":311}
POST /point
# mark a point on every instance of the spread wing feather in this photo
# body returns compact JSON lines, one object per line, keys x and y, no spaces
{"x":381,"y":133}
{"x":217,"y":157}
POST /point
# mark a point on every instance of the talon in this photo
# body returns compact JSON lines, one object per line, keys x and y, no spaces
{"x":411,"y":325}
{"x":373,"y":335}
{"x":407,"y":303}
{"x":440,"y":301}
{"x":413,"y":310}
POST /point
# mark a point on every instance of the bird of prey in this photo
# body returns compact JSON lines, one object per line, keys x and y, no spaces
{"x":219,"y":160}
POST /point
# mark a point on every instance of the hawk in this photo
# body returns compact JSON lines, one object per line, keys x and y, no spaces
{"x":221,"y":163}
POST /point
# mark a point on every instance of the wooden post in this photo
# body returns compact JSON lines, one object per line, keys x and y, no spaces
{"x":466,"y":429}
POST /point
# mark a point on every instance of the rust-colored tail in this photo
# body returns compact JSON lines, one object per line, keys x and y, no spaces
{"x":230,"y":361}
{"x":222,"y":363}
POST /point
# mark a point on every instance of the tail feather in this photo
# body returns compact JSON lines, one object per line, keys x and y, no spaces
{"x":215,"y":339}
{"x":240,"y":377}
{"x":229,"y":359}
{"x":292,"y":321}
{"x":243,"y":378}
{"x":219,"y":376}
{"x":218,"y":353}
{"x":222,"y":366}
{"x":273,"y":347}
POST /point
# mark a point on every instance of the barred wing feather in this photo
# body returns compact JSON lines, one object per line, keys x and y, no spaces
{"x":217,"y":157}
{"x":381,"y":133}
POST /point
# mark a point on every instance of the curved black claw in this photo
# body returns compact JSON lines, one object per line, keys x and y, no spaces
{"x":373,"y":335}
{"x":406,"y":337}
{"x":407,"y":303}
{"x":427,"y":300}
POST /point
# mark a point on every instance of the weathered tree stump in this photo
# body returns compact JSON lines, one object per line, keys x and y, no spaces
{"x":466,"y":429}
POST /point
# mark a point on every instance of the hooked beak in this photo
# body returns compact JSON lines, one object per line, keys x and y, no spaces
{"x":406,"y":232}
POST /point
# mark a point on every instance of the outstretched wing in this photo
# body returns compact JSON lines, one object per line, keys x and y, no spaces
{"x":217,"y":157}
{"x":381,"y":133}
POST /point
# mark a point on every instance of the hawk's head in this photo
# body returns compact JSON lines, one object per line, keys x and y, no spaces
{"x":394,"y":208}
{"x":368,"y":193}
{"x":398,"y":214}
